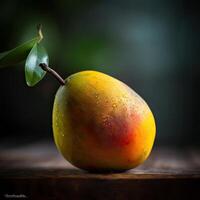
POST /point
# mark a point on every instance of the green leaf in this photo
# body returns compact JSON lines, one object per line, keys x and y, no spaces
{"x":17,"y":54}
{"x":33,"y":71}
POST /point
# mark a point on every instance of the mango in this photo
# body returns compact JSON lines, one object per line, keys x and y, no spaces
{"x":101,"y":124}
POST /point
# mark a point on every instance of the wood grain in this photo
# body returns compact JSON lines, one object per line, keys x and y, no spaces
{"x":40,"y":172}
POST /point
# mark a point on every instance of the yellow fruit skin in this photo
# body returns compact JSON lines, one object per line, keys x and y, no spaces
{"x":99,"y":123}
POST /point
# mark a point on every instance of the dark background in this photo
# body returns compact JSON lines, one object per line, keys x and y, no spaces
{"x":153,"y":46}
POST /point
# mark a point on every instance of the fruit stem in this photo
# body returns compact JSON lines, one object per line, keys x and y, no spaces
{"x":53,"y":73}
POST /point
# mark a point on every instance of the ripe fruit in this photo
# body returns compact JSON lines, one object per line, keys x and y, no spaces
{"x":99,"y":123}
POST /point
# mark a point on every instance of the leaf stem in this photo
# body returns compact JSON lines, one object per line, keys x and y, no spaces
{"x":39,"y":27}
{"x":53,"y":73}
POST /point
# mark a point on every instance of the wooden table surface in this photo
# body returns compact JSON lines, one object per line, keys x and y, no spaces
{"x":38,"y":171}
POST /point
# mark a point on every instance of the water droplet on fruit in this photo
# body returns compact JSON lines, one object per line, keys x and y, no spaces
{"x":106,"y":121}
{"x":97,"y":97}
{"x":114,"y":105}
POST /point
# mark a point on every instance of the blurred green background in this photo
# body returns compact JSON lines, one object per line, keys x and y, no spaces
{"x":153,"y":46}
